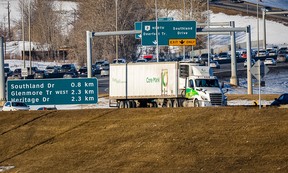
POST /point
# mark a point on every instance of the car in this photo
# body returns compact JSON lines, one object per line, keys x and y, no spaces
{"x":267,"y":8}
{"x":82,"y":72}
{"x":46,"y":108}
{"x":204,"y":57}
{"x":282,"y":100}
{"x":272,"y":52}
{"x":70,"y":74}
{"x":101,"y":62}
{"x":262,"y":53}
{"x":270,"y":61}
{"x":141,"y":60}
{"x":223,"y":55}
{"x":282,"y":56}
{"x":119,"y":61}
{"x":68,"y":68}
{"x":40,"y":74}
{"x":15,"y":106}
{"x":214,"y":64}
{"x":252,"y":62}
{"x":52,"y":69}
{"x":33,"y":70}
{"x":7,"y":72}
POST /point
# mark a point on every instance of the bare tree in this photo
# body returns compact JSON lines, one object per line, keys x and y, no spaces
{"x":100,"y":18}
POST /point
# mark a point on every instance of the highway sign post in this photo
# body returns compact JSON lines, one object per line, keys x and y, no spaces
{"x":24,"y":72}
{"x":54,"y":91}
{"x":167,"y":30}
{"x":259,"y":70}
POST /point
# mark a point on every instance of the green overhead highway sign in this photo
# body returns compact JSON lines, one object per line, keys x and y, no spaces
{"x":53,"y":91}
{"x":138,"y":27}
{"x":165,"y":19}
{"x":167,"y":30}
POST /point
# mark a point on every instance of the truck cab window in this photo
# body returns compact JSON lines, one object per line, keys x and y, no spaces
{"x":191,"y":83}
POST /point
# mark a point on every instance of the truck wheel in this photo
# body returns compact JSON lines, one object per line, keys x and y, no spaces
{"x":196,"y":103}
{"x":175,"y":103}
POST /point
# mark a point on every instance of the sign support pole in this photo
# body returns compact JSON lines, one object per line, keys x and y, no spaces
{"x":259,"y":71}
{"x":2,"y":78}
{"x":89,"y":53}
{"x":157,"y":44}
{"x":249,"y":77}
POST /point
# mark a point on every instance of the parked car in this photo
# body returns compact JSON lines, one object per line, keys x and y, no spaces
{"x":262,"y":53}
{"x":282,"y":56}
{"x":214,"y":64}
{"x":252,"y":62}
{"x":119,"y":61}
{"x":33,"y":70}
{"x":282,"y":100}
{"x":270,"y":61}
{"x":140,"y":60}
{"x":223,"y":55}
{"x":272,"y":52}
{"x":15,"y":106}
{"x":52,"y":69}
{"x":101,"y":62}
{"x":70,"y":74}
{"x":68,"y":68}
{"x":40,"y":74}
{"x":7,"y":72}
{"x":17,"y":74}
{"x":204,"y":57}
{"x":82,"y":72}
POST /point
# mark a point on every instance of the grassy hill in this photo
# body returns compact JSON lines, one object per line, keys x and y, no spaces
{"x":220,"y":139}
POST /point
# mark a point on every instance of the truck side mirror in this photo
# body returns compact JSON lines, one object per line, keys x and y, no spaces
{"x":222,"y":84}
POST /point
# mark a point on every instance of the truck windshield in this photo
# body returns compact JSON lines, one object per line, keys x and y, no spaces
{"x":207,"y":83}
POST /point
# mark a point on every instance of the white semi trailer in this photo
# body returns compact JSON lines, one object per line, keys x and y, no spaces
{"x":164,"y":84}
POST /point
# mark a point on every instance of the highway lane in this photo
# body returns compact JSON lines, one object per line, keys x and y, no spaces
{"x":223,"y":73}
{"x":248,"y":9}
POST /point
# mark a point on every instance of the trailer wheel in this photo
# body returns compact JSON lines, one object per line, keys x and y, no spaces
{"x":121,"y":104}
{"x":175,"y":103}
{"x":154,"y":105}
{"x":169,"y":103}
{"x":132,"y":104}
{"x":196,"y":103}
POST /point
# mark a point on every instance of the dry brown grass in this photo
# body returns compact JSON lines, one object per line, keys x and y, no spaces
{"x":221,"y":139}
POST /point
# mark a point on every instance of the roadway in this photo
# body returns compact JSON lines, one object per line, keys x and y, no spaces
{"x":248,"y":9}
{"x":223,"y":73}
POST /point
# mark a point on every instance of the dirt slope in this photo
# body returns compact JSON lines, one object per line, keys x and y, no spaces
{"x":230,"y":139}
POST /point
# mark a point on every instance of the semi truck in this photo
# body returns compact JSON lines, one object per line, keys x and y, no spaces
{"x":164,"y":84}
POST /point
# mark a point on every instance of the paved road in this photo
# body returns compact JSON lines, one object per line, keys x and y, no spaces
{"x":248,"y":8}
{"x":223,"y":72}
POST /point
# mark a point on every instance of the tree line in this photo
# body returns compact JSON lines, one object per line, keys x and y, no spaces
{"x":48,"y":30}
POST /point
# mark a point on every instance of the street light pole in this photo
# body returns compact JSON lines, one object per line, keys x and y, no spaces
{"x":257,"y":27}
{"x":157,"y":45}
{"x":23,"y":36}
{"x":208,"y":39}
{"x":30,"y":57}
{"x":116,"y":26}
{"x":183,"y":18}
